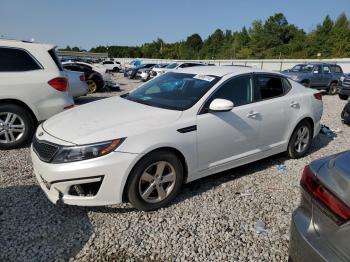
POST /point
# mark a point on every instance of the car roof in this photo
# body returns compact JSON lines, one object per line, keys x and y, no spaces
{"x":221,"y":70}
{"x":24,"y":44}
{"x":317,"y":63}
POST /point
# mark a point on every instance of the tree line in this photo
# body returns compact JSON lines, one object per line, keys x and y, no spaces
{"x":273,"y":38}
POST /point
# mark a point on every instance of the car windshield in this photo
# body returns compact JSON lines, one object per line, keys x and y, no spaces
{"x":175,"y":91}
{"x":173,"y":65}
{"x":303,"y":68}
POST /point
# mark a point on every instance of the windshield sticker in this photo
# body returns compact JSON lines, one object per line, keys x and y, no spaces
{"x":203,"y":77}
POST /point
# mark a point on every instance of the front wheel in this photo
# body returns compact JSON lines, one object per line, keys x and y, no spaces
{"x":332,"y":89}
{"x":16,"y":126}
{"x":300,"y":141}
{"x":155,"y":181}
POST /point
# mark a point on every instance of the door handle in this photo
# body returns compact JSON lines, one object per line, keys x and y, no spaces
{"x":252,"y":114}
{"x":294,"y":104}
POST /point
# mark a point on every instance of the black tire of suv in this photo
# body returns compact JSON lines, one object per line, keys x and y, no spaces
{"x":116,"y":69}
{"x":291,"y":151}
{"x":132,"y":188}
{"x":332,"y":89}
{"x":29,"y":124}
{"x":306,"y":83}
{"x":343,"y":97}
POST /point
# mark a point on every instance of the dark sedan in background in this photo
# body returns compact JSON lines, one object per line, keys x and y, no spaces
{"x":320,"y":229}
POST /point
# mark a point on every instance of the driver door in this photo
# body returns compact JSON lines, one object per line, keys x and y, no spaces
{"x":226,"y":137}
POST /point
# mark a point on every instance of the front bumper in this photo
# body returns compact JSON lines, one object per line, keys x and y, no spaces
{"x":344,"y":90}
{"x":111,"y":171}
{"x":305,"y":244}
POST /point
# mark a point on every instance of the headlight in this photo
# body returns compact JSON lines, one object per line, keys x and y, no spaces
{"x":342,"y":78}
{"x":77,"y":153}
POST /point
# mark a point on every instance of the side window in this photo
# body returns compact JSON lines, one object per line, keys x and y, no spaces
{"x":286,"y":85}
{"x":326,"y":69}
{"x":318,"y":69}
{"x":16,"y":60}
{"x":337,"y":69}
{"x":183,"y":65}
{"x":267,"y":87}
{"x":239,"y":90}
{"x":85,"y":69}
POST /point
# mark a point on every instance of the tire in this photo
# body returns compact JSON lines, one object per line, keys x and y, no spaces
{"x":332,"y":89}
{"x":306,"y":83}
{"x":92,"y":86}
{"x":143,"y":189}
{"x":293,"y":148}
{"x":116,"y":70}
{"x":16,"y":126}
{"x":343,"y":97}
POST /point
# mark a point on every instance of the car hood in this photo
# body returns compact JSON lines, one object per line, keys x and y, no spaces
{"x":107,"y":119}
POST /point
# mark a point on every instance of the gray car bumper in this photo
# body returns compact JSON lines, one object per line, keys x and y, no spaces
{"x":305,"y":244}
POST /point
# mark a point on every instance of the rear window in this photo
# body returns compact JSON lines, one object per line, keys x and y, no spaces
{"x":337,"y":69}
{"x":268,"y":87}
{"x":54,"y":57}
{"x":16,"y":60}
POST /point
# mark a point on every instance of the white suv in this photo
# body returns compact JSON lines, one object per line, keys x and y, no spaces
{"x":112,"y":66}
{"x":33,"y":87}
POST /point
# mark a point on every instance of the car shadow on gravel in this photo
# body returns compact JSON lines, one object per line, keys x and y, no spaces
{"x":33,"y":229}
{"x":204,"y":184}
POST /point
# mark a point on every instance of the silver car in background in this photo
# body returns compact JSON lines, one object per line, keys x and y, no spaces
{"x":320,"y":229}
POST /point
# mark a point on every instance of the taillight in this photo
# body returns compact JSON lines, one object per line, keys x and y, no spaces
{"x":59,"y":83}
{"x":318,"y":96}
{"x":312,"y":185}
{"x":82,"y":77}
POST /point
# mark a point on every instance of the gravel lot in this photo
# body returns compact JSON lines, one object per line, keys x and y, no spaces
{"x":212,"y":219}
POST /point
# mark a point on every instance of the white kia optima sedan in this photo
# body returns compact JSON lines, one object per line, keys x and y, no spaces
{"x":174,"y":129}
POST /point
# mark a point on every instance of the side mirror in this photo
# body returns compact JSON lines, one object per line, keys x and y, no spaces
{"x":220,"y":105}
{"x":315,"y":72}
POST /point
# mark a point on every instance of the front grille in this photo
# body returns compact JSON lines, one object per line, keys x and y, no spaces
{"x":45,"y":150}
{"x":346,"y":82}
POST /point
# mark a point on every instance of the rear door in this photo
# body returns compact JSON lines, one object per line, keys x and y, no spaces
{"x":316,"y":77}
{"x":274,"y":109}
{"x":326,"y":75}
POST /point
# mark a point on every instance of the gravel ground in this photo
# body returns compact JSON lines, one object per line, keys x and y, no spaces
{"x":212,"y":219}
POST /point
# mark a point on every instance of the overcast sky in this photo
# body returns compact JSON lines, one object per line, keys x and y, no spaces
{"x":88,"y":23}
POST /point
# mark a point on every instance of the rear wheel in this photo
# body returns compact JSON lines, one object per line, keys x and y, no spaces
{"x":155,"y":181}
{"x":116,"y":70}
{"x":306,"y":83}
{"x":92,"y":86}
{"x":300,"y":141}
{"x":332,"y":89}
{"x":343,"y":97}
{"x":16,"y":126}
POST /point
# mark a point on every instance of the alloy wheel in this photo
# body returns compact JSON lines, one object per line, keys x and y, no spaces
{"x":302,"y":139}
{"x":157,"y":182}
{"x":92,"y":86}
{"x":12,"y":127}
